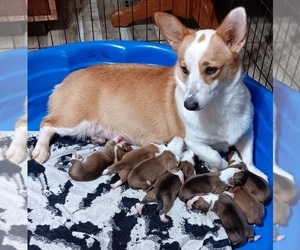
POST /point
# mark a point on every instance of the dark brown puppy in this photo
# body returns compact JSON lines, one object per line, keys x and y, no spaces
{"x":93,"y":166}
{"x":148,"y":171}
{"x":232,"y":217}
{"x":214,"y":182}
{"x":255,"y":185}
{"x":165,"y":189}
{"x":131,"y":160}
{"x":285,"y":189}
{"x":250,"y":205}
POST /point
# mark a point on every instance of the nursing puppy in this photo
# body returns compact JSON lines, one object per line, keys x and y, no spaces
{"x":255,"y":185}
{"x":214,"y":182}
{"x":250,"y":205}
{"x":232,"y":217}
{"x":147,"y":172}
{"x":93,"y":165}
{"x":131,"y":160}
{"x":201,"y":99}
{"x":165,"y":189}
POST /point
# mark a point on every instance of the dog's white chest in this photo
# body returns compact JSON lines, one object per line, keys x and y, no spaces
{"x":219,"y":122}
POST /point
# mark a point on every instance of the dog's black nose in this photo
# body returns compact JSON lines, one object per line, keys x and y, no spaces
{"x":191,"y":104}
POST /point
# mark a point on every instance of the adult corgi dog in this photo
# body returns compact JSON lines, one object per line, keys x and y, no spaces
{"x":201,"y":99}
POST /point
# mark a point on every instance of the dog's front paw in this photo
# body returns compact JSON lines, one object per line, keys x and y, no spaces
{"x":16,"y":153}
{"x":40,"y":154}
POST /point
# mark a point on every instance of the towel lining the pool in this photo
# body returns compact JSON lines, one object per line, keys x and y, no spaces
{"x":90,"y":215}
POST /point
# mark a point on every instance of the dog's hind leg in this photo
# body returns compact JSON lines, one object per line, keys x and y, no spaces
{"x":149,"y":197}
{"x":123,"y":178}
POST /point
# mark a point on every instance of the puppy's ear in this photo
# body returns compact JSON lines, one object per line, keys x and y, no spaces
{"x":171,"y":28}
{"x":240,"y":178}
{"x":233,"y":29}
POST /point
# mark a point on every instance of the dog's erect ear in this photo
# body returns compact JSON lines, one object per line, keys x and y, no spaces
{"x":233,"y":29}
{"x":171,"y":28}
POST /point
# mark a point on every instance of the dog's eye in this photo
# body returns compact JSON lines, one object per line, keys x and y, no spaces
{"x":210,"y":70}
{"x":184,"y":70}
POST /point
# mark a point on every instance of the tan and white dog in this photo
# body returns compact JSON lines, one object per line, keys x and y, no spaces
{"x":201,"y":99}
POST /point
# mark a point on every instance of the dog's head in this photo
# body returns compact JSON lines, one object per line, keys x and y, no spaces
{"x":208,"y":60}
{"x":205,"y":203}
{"x":233,"y":176}
{"x":122,"y":149}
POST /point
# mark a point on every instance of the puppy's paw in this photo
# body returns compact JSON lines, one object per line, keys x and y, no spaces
{"x":163,"y":218}
{"x":16,"y":153}
{"x":116,"y":184}
{"x":40,"y":154}
{"x":139,"y":209}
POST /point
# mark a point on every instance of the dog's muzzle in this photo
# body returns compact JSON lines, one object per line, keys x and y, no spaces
{"x":191,"y":104}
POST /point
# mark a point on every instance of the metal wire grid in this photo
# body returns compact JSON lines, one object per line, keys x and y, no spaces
{"x":89,"y":20}
{"x":287,"y":42}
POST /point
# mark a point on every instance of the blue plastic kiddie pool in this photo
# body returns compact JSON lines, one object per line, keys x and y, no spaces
{"x":13,"y":87}
{"x":288,"y":144}
{"x":48,"y":67}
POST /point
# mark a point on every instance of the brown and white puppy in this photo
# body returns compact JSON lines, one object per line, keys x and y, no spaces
{"x":131,"y":160}
{"x":92,"y":166}
{"x":147,"y":172}
{"x":201,"y":99}
{"x":255,"y":184}
{"x":165,"y":189}
{"x":232,"y":217}
{"x":250,"y":205}
{"x":213,"y":182}
{"x":285,"y":189}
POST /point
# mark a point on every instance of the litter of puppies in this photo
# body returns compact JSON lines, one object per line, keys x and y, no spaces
{"x":166,"y":172}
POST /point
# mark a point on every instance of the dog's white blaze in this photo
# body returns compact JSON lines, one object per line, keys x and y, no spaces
{"x":194,"y":53}
{"x":228,"y":173}
{"x":211,"y":198}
